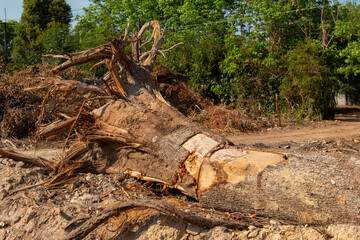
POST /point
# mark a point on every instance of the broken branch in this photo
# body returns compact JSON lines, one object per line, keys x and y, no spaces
{"x":41,"y":162}
{"x":61,"y":52}
{"x":98,"y":53}
{"x":115,"y":76}
{"x":126,"y":31}
{"x":55,"y":128}
{"x":174,"y":46}
{"x":55,"y":56}
{"x":27,"y":187}
{"x":97,"y":65}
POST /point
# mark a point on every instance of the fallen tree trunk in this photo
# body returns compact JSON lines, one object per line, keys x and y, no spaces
{"x":141,"y":134}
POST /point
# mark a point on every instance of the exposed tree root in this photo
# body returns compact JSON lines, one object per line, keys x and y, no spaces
{"x":205,"y":219}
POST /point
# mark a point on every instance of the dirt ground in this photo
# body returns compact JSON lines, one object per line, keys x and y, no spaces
{"x":345,"y":126}
{"x":41,"y":213}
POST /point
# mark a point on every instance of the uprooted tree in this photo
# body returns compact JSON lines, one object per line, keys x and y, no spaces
{"x":138,"y":132}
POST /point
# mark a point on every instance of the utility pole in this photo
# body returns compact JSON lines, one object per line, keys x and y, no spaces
{"x":5,"y":41}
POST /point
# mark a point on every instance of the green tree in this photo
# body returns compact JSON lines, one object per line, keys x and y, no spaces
{"x":250,"y":75}
{"x":344,"y":54}
{"x":10,"y":32}
{"x":262,"y":33}
{"x":307,"y":84}
{"x":38,"y":17}
{"x":58,"y":36}
{"x":104,"y":19}
{"x":202,"y":27}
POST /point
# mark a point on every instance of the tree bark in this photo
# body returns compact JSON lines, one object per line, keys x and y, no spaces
{"x":141,"y":134}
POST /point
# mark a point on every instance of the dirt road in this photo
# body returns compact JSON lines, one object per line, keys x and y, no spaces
{"x":345,"y":126}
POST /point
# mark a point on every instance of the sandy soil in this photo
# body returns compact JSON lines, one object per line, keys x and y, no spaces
{"x":345,"y":126}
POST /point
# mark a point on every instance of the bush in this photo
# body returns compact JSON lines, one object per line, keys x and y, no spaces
{"x":308,"y":86}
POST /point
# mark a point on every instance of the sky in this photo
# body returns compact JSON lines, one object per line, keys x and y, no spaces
{"x":14,"y":8}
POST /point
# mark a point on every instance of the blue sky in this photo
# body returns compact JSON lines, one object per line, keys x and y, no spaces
{"x":14,"y":8}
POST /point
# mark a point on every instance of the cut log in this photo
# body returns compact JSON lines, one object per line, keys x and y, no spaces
{"x":141,"y":134}
{"x":207,"y":167}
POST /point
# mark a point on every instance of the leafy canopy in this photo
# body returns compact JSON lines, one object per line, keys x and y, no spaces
{"x":37,"y":18}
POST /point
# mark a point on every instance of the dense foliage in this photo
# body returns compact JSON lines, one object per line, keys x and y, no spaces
{"x":40,"y":18}
{"x":10,"y":34}
{"x":296,"y":55}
